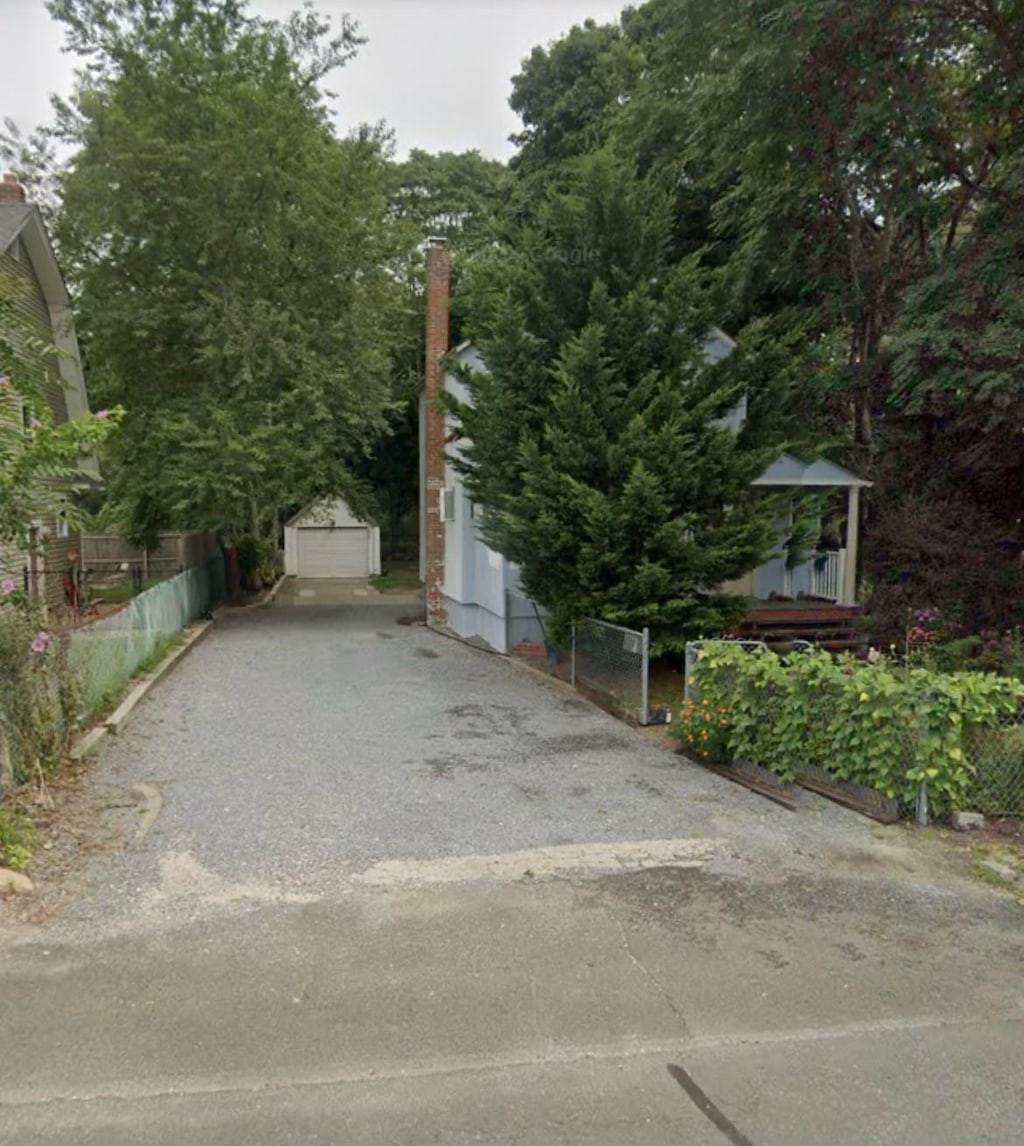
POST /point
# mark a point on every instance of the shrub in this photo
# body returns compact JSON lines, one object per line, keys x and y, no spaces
{"x":37,"y":692}
{"x":17,"y":836}
{"x":702,"y":729}
{"x":873,"y":724}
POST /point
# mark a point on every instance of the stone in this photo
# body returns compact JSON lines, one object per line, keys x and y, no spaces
{"x":14,"y":883}
{"x":968,"y":821}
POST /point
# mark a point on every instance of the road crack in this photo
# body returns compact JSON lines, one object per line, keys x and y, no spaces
{"x":653,"y":979}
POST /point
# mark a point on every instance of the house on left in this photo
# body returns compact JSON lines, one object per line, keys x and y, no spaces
{"x":27,"y":258}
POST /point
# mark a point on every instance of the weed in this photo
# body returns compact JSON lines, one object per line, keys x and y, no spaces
{"x":17,"y":836}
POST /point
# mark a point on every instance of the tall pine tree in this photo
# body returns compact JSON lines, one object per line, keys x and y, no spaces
{"x":599,"y":440}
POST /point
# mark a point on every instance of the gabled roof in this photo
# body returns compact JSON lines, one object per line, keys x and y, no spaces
{"x":25,"y":222}
{"x":790,"y":470}
{"x":13,"y":217}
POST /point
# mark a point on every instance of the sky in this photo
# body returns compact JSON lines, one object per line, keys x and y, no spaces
{"x":437,"y":71}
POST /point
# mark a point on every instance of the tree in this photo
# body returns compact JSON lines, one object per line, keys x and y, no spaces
{"x":860,"y":162}
{"x":596,"y":439}
{"x":457,"y":197}
{"x":232,"y":257}
{"x":569,"y":94}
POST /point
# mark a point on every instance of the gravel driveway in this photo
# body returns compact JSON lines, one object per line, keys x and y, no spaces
{"x":299,"y":745}
{"x":401,"y":890}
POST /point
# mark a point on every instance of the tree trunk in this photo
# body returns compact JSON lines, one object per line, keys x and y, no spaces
{"x":6,"y":765}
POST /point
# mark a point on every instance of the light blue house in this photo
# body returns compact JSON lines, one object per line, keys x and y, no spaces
{"x":481,"y":589}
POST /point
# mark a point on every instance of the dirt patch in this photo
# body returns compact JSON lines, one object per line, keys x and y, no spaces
{"x":73,"y":819}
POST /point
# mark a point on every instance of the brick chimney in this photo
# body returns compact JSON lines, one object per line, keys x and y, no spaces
{"x":11,"y":191}
{"x":434,"y":430}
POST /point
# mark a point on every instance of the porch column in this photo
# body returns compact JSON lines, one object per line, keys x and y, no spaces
{"x":849,"y":588}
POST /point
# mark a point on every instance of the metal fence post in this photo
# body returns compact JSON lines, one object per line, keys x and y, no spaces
{"x":922,"y":804}
{"x":645,"y":669}
{"x":691,"y":658}
{"x":572,"y":669}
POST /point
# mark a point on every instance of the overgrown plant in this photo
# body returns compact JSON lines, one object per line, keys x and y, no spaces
{"x":873,"y":724}
{"x":17,"y":835}
{"x":37,"y":689}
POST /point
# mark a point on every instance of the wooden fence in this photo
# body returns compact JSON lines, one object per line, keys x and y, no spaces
{"x":106,"y":553}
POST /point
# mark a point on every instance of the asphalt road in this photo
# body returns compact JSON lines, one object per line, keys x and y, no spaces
{"x":401,"y":890}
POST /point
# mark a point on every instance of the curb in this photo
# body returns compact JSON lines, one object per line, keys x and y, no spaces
{"x":268,"y":598}
{"x":86,"y":744}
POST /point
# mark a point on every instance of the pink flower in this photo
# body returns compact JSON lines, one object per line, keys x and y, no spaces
{"x":102,"y":413}
{"x":40,"y":641}
{"x":7,"y":585}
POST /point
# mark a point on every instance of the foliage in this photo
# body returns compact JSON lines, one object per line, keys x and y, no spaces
{"x":568,"y":95}
{"x":256,"y":557}
{"x":597,"y":438}
{"x":851,"y":178}
{"x":459,"y":198}
{"x":232,"y":259}
{"x":702,"y":730}
{"x":871,"y":724}
{"x":165,"y":643}
{"x":38,"y":696}
{"x":17,"y":835}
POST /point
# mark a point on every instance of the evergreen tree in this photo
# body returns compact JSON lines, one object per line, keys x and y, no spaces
{"x":596,"y":441}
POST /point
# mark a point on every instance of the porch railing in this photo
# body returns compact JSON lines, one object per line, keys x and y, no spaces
{"x":827,"y":572}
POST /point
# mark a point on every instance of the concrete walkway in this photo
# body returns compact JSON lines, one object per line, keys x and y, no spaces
{"x":404,"y":891}
{"x":342,"y":591}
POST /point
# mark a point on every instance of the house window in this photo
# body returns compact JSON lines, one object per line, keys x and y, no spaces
{"x":62,"y":525}
{"x":447,"y":504}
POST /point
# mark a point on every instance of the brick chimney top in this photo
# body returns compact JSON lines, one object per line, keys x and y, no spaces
{"x":11,"y":191}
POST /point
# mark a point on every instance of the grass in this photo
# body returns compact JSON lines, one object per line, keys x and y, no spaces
{"x":400,"y":577}
{"x":156,"y":654}
{"x":123,"y":591}
{"x":17,"y":835}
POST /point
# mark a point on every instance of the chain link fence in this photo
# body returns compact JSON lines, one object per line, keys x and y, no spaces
{"x":614,"y":662}
{"x":106,"y":653}
{"x":995,"y":758}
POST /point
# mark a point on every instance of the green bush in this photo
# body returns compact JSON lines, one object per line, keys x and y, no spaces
{"x":17,"y":835}
{"x":874,"y":724}
{"x":37,"y":689}
{"x":256,"y":562}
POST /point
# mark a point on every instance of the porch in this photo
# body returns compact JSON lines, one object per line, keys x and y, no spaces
{"x":782,"y":624}
{"x":828,"y":576}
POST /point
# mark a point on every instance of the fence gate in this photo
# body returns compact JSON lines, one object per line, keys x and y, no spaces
{"x":614,"y":661}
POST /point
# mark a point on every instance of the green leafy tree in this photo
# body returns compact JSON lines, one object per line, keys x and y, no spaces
{"x":457,"y":197}
{"x":597,"y":440}
{"x":233,"y":258}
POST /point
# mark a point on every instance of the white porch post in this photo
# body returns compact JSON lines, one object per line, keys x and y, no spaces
{"x":849,"y":588}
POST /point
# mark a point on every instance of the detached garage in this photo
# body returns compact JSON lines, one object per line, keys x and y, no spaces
{"x":327,"y":540}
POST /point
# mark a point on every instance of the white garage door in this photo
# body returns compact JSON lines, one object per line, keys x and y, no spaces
{"x":334,"y":552}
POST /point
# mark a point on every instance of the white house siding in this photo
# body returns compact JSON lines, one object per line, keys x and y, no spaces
{"x":476,"y":579}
